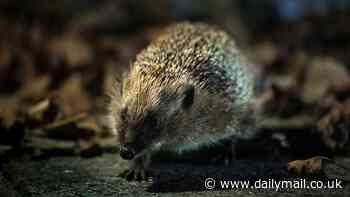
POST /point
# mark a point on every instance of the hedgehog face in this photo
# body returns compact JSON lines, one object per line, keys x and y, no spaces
{"x":137,"y":133}
{"x":143,"y":122}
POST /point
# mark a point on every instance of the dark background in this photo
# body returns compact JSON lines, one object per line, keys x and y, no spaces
{"x":58,"y":57}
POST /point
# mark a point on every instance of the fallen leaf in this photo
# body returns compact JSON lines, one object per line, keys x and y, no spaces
{"x":311,"y":166}
{"x":71,"y":97}
{"x":322,"y":74}
{"x":334,"y":127}
{"x":72,"y":48}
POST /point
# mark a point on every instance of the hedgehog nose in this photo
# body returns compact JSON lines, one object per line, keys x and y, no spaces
{"x":126,"y":152}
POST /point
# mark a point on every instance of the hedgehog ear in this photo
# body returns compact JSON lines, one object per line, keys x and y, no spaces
{"x":188,"y":96}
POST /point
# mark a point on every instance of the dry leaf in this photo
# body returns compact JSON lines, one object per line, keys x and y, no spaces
{"x":334,"y":126}
{"x":311,"y":166}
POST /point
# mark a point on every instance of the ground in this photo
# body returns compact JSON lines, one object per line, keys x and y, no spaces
{"x":98,"y":176}
{"x":58,"y":60}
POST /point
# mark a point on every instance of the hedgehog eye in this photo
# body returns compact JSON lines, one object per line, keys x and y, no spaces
{"x":123,"y":113}
{"x":152,"y":121}
{"x":188,"y":96}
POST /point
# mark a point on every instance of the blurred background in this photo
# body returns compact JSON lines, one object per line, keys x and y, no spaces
{"x":57,"y":58}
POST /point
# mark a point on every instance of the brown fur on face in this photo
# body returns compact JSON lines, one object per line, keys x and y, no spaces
{"x":150,"y":113}
{"x":147,"y":109}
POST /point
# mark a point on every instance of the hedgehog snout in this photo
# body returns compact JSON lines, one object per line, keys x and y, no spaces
{"x":127,"y":152}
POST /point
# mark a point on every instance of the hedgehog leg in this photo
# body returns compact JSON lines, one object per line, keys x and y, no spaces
{"x":138,"y":169}
{"x":230,"y":155}
{"x":227,"y":154}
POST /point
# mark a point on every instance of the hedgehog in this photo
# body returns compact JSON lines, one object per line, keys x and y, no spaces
{"x":190,"y":88}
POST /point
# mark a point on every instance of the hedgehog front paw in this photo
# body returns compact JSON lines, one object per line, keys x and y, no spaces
{"x":138,"y":170}
{"x":137,"y":173}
